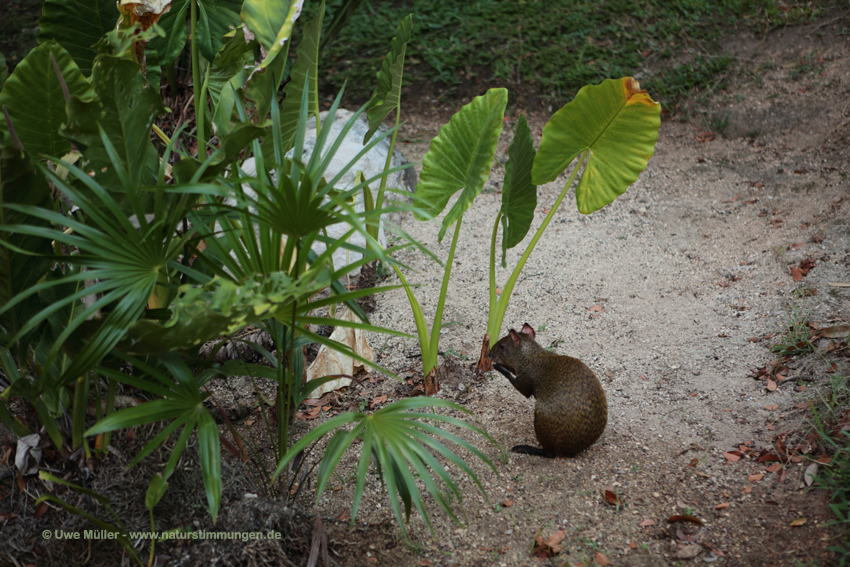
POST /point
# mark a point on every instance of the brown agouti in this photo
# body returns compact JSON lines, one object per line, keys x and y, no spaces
{"x":571,"y":410}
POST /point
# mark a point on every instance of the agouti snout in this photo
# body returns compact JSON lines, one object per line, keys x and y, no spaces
{"x":571,"y":411}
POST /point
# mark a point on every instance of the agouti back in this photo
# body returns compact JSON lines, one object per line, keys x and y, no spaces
{"x":571,"y":410}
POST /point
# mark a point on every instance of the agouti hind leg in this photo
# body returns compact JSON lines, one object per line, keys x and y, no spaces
{"x":536,"y":451}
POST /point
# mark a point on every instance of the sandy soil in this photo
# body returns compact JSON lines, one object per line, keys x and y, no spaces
{"x":673,"y":295}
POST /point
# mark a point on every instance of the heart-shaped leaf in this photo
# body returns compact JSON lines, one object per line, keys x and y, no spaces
{"x":35,"y":100}
{"x":519,"y":194}
{"x":387,"y":95}
{"x":460,"y":157}
{"x":77,"y":25}
{"x":617,"y":124}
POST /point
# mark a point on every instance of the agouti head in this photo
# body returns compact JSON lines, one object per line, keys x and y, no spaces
{"x":516,"y":350}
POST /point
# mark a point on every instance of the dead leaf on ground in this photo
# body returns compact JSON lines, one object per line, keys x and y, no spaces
{"x":733,"y":456}
{"x":508,"y":503}
{"x":597,"y":308}
{"x":549,"y":547}
{"x":685,"y":518}
{"x":377,"y":401}
{"x":646,"y":523}
{"x":771,"y":385}
{"x":611,"y":497}
{"x":798,"y":522}
{"x":601,"y":559}
{"x":722,"y":506}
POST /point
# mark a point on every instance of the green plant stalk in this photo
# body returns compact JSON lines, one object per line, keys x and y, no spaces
{"x":434,"y":346}
{"x":497,"y":316}
{"x":379,"y":201}
{"x":197,"y":86}
{"x":493,"y":297}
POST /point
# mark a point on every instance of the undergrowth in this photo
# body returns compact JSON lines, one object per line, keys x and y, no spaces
{"x":830,"y":423}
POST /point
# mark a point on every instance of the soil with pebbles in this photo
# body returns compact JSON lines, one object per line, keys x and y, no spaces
{"x":673,"y":295}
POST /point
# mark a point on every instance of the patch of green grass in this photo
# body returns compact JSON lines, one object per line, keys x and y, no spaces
{"x":831,"y":423}
{"x":797,"y":338}
{"x":549,"y":49}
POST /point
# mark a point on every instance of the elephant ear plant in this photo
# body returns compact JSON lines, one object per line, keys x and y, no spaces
{"x":609,"y":131}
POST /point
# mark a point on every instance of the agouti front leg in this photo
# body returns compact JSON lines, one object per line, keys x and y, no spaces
{"x":521,"y":385}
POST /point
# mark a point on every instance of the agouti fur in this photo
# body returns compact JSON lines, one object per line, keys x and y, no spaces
{"x":571,"y":410}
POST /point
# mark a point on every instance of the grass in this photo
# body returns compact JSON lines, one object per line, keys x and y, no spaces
{"x":549,"y":49}
{"x":831,"y":423}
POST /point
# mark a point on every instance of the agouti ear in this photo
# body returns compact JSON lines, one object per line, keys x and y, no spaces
{"x":515,"y":338}
{"x":528,"y":330}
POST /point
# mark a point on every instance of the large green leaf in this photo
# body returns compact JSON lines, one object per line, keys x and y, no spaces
{"x":77,"y":25}
{"x":36,"y":103}
{"x":226,"y":77}
{"x":387,"y":95}
{"x":305,"y":69}
{"x":271,"y":22}
{"x":216,"y":18}
{"x":125,"y":110}
{"x":460,"y":158}
{"x":4,"y":71}
{"x":617,"y":124}
{"x":21,"y":184}
{"x":519,"y":194}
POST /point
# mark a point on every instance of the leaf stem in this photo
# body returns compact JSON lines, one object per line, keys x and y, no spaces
{"x":197,"y":87}
{"x":495,"y":324}
{"x":438,"y":316}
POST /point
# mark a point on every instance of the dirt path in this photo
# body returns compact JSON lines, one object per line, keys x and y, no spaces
{"x":692,"y":271}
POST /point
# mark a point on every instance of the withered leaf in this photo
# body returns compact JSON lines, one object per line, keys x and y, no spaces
{"x":773,"y":468}
{"x":769,"y":457}
{"x":685,"y":518}
{"x":797,"y":274}
{"x":549,"y":547}
{"x":771,"y":385}
{"x":811,"y":472}
{"x":755,"y":477}
{"x":601,"y":559}
{"x":732,"y":457}
{"x":722,"y":506}
{"x":646,"y":523}
{"x":798,"y":522}
{"x":611,"y":497}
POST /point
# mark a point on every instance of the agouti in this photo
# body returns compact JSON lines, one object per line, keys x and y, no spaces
{"x":571,"y":410}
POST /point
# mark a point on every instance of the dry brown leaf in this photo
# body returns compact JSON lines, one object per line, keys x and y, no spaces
{"x":550,"y":546}
{"x":722,"y":506}
{"x":646,"y":523}
{"x":732,"y":457}
{"x":797,"y":274}
{"x":771,"y":385}
{"x":685,"y":518}
{"x":755,"y":477}
{"x":508,"y":503}
{"x":377,"y":401}
{"x":773,"y":468}
{"x":771,"y":408}
{"x":597,"y":308}
{"x":798,"y":522}
{"x":748,"y":489}
{"x":632,"y":545}
{"x":601,"y":559}
{"x":611,"y":497}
